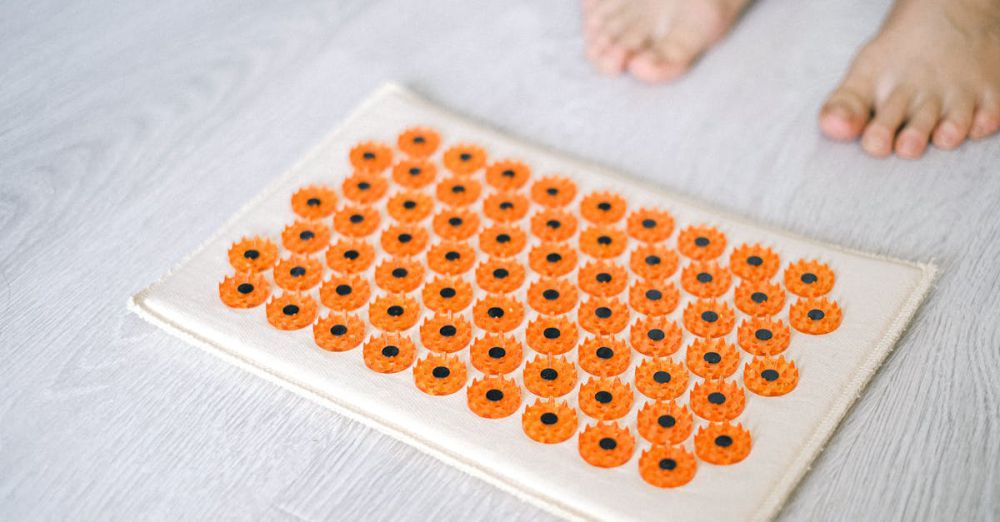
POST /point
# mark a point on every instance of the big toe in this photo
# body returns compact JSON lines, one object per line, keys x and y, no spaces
{"x":845,"y":113}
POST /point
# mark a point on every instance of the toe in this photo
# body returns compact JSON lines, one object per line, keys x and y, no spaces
{"x":650,"y":67}
{"x":912,"y":140}
{"x":954,"y":126}
{"x":878,"y":137}
{"x":611,"y":60}
{"x":670,"y":57}
{"x":846,"y":112}
{"x":987,"y":119}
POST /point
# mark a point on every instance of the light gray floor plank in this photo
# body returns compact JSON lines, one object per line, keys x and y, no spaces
{"x":129,"y":131}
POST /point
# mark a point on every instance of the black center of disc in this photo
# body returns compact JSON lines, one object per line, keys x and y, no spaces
{"x":661,"y":377}
{"x":494,"y":395}
{"x":244,"y":288}
{"x":495,"y":312}
{"x":290,"y":310}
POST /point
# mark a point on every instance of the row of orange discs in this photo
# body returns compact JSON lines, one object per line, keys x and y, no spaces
{"x":609,"y":265}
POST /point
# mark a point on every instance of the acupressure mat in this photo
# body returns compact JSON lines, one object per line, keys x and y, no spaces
{"x":595,"y":346}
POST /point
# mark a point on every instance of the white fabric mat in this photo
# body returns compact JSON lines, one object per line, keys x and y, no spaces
{"x":878,"y":295}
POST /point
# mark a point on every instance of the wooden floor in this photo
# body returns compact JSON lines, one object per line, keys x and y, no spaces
{"x":129,"y":131}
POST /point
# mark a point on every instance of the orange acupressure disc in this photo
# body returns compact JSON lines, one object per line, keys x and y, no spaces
{"x":809,"y":278}
{"x":456,"y":224}
{"x":419,"y":142}
{"x":604,"y":356}
{"x":254,"y":254}
{"x":505,"y":207}
{"x":447,"y":295}
{"x":410,"y":207}
{"x":495,"y":354}
{"x":507,"y":175}
{"x":602,"y":208}
{"x":712,"y":358}
{"x":717,"y":400}
{"x":291,"y":311}
{"x":399,"y":275}
{"x":304,"y":237}
{"x":440,"y":374}
{"x":389,"y":353}
{"x":705,"y":280}
{"x":667,"y":466}
{"x":653,"y":262}
{"x":553,"y":225}
{"x":404,"y":240}
{"x":605,"y":398}
{"x":498,"y":314}
{"x":606,"y":445}
{"x":759,"y":299}
{"x":356,"y":221}
{"x":548,"y":376}
{"x":445,"y":333}
{"x":338,"y":332}
{"x":708,"y":318}
{"x":602,"y":278}
{"x":553,"y":191}
{"x":414,"y":173}
{"x":464,"y":159}
{"x":350,"y":257}
{"x":552,"y":259}
{"x":815,"y":316}
{"x":552,"y":296}
{"x":650,"y":225}
{"x":365,"y":188}
{"x":371,"y":157}
{"x":344,"y":292}
{"x":458,"y":191}
{"x":451,"y":258}
{"x":245,"y":290}
{"x":760,"y":336}
{"x":502,"y":240}
{"x":701,"y":243}
{"x":603,"y":316}
{"x":314,"y":202}
{"x":494,"y":397}
{"x":298,"y":272}
{"x":551,"y":335}
{"x":770,"y":376}
{"x":754,"y":262}
{"x":500,"y":276}
{"x":665,"y":422}
{"x":602,"y":242}
{"x":393,"y":313}
{"x":661,"y":379}
{"x":549,"y":421}
{"x":722,"y":443}
{"x":655,"y":337}
{"x":653,"y":297}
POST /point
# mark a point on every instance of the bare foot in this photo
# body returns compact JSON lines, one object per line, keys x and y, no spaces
{"x":655,"y":40}
{"x":931,"y":74}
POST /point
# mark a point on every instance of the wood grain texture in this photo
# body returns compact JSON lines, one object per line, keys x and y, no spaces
{"x":130,"y":131}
